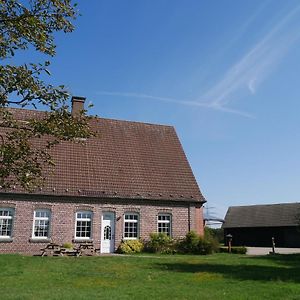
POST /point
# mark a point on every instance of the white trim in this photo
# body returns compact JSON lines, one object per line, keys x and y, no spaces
{"x":112,"y":224}
{"x":132,"y":221}
{"x":86,"y":219}
{"x":165,"y":222}
{"x":35,"y":218}
{"x":4,"y":237}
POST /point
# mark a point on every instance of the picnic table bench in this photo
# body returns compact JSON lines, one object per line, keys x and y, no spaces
{"x":70,"y":252}
{"x":51,"y":249}
{"x":85,"y":248}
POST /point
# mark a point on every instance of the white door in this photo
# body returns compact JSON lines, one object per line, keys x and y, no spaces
{"x":108,"y":232}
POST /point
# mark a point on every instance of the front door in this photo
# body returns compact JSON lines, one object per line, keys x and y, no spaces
{"x":108,"y":232}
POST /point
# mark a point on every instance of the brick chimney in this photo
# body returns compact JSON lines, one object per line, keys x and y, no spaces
{"x":77,"y":104}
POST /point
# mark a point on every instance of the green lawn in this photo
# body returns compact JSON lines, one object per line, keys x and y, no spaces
{"x":219,"y":276}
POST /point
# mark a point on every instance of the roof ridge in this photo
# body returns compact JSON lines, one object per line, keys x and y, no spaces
{"x":267,"y":204}
{"x":135,"y":122}
{"x":96,"y":117}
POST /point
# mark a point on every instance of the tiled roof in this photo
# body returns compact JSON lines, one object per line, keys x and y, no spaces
{"x":270,"y":215}
{"x":125,"y":160}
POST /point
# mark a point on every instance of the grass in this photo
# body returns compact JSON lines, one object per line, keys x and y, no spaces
{"x":219,"y":276}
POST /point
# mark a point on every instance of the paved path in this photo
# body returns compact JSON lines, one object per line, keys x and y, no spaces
{"x":264,"y":251}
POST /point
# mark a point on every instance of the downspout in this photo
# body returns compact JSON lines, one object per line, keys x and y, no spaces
{"x":189,"y":217}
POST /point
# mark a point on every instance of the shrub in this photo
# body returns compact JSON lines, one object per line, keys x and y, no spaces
{"x":131,"y":246}
{"x":160,"y":243}
{"x":234,"y":250}
{"x":190,"y":243}
{"x":68,"y":245}
{"x":196,"y":244}
{"x":213,"y":240}
{"x":216,"y":233}
{"x":206,"y":246}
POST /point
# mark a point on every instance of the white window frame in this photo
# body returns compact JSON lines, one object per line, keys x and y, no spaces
{"x":85,"y":219}
{"x":131,"y":221}
{"x":169,"y":222}
{"x":41,"y":219}
{"x":11,"y":215}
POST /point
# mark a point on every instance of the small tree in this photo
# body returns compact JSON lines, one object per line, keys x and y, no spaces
{"x":30,"y":25}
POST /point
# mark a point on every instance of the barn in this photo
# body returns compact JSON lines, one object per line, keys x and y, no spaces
{"x":256,"y":225}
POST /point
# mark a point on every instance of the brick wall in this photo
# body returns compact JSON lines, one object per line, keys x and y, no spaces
{"x":199,"y":222}
{"x":62,"y":228}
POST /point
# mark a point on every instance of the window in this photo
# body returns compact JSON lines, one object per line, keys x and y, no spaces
{"x":83,"y":225}
{"x":6,"y":221}
{"x":131,"y":226}
{"x":107,"y":232}
{"x":164,"y":224}
{"x":41,"y":224}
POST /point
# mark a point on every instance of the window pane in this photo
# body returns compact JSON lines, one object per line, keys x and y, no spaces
{"x":41,"y":223}
{"x":164,"y":224}
{"x":84,"y":224}
{"x":6,"y":212}
{"x":131,"y":225}
{"x":6,"y":220}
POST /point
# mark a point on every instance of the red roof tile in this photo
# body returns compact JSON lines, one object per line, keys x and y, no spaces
{"x":125,"y":160}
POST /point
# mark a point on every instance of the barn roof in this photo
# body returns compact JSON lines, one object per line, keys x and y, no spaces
{"x":130,"y":160}
{"x":269,"y":215}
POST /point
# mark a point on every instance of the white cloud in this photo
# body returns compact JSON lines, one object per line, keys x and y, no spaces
{"x":213,"y":106}
{"x":246,"y":74}
{"x":254,"y":67}
{"x":251,"y":85}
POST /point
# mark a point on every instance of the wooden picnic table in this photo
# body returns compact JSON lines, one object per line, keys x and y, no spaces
{"x":85,"y":248}
{"x":51,"y":249}
{"x":70,"y":252}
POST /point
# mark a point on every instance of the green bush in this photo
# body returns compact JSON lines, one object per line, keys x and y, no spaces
{"x":160,"y":243}
{"x":190,"y":243}
{"x":207,"y":246}
{"x":216,"y":233}
{"x":68,"y":245}
{"x":196,"y":244}
{"x":234,"y":250}
{"x":131,"y":246}
{"x":212,"y":239}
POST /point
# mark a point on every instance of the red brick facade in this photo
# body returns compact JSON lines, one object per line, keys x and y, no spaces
{"x":199,"y":222}
{"x":185,"y":217}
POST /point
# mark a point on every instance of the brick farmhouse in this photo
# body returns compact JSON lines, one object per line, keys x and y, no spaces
{"x":128,"y":181}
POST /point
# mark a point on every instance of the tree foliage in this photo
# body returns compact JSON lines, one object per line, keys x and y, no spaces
{"x":30,"y":25}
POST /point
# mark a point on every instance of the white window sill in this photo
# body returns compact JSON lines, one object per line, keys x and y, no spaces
{"x":6,"y":240}
{"x":82,"y":240}
{"x":40,"y":240}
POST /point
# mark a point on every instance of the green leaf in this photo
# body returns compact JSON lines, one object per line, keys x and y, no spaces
{"x":27,"y":25}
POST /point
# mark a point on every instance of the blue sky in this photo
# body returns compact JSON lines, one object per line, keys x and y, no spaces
{"x":225,"y":74}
